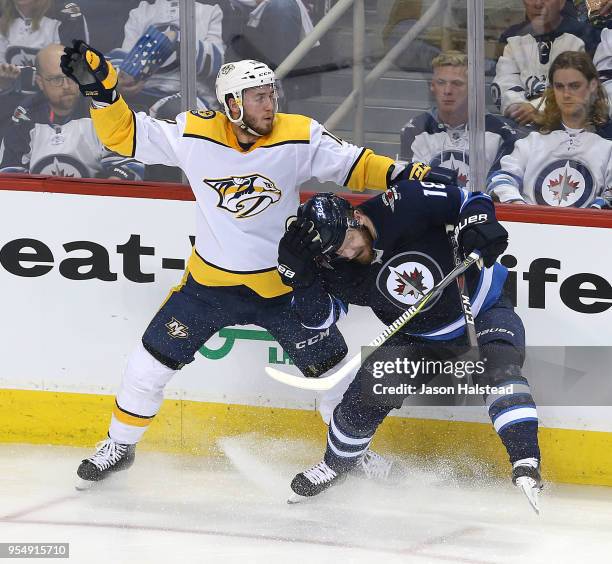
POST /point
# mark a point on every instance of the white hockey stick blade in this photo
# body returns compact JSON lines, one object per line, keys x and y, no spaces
{"x":528,"y":487}
{"x":314,"y":384}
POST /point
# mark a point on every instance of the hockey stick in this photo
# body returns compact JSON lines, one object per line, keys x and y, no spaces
{"x":328,"y":382}
{"x":464,"y":296}
{"x":466,"y":306}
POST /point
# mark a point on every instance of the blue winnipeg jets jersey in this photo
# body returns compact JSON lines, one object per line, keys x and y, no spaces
{"x":413,"y":254}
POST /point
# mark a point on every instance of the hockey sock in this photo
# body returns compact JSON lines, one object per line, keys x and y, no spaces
{"x":344,"y":446}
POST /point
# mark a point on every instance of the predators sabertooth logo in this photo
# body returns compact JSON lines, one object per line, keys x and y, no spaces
{"x":245,"y":196}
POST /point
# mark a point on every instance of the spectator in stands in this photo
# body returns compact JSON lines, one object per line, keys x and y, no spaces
{"x":53,"y":134}
{"x":148,"y":74}
{"x":28,"y":25}
{"x":110,"y":17}
{"x":268,"y":31}
{"x":528,"y":50}
{"x":25,"y":27}
{"x":265,"y":30}
{"x":568,"y":163}
{"x":439,"y":137}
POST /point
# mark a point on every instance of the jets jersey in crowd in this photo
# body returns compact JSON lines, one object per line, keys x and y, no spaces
{"x":426,"y":139}
{"x":522,"y":71}
{"x":40,"y":142}
{"x":413,"y":253}
{"x":61,"y":24}
{"x":243,"y":196}
{"x":164,"y":16}
{"x":565,"y":168}
{"x":603,"y":62}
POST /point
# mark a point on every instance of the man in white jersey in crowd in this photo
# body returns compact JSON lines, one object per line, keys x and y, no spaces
{"x":245,"y":168}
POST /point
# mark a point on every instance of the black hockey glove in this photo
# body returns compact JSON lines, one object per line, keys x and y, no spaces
{"x":95,"y":76}
{"x":297,"y":251}
{"x":478,"y":228}
{"x":421,"y":171}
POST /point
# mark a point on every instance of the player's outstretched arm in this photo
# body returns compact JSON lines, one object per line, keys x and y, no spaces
{"x":116,"y":125}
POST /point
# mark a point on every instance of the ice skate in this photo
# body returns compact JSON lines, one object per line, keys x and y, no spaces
{"x":313,"y":481}
{"x":526,"y":476}
{"x":110,"y":457}
{"x":373,"y":466}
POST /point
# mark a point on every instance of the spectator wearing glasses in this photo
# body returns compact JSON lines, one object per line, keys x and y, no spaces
{"x":53,"y":134}
{"x":528,"y":51}
{"x":568,"y":163}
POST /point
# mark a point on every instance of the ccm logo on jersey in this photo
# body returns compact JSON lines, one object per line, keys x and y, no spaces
{"x":285,"y":271}
{"x":245,"y":196}
{"x":480,"y":218}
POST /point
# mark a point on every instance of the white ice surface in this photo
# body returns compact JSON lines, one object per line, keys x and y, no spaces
{"x":185,"y":509}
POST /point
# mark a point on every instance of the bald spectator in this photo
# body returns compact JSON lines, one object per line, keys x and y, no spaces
{"x":53,"y":134}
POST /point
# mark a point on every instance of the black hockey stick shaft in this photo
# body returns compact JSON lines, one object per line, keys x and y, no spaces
{"x":464,"y":297}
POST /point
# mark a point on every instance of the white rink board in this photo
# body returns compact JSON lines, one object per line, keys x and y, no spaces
{"x":73,"y":335}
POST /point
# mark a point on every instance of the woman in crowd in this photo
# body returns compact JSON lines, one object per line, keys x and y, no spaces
{"x":568,"y":162}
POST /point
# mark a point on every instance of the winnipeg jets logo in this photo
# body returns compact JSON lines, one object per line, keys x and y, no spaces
{"x":245,"y":196}
{"x":176,"y":329}
{"x":564,"y":183}
{"x":65,"y":166}
{"x":406,"y":278}
{"x":409,"y":283}
{"x":455,"y":160}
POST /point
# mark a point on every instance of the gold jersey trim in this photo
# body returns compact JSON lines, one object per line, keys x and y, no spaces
{"x":267,"y":283}
{"x":288,"y":129}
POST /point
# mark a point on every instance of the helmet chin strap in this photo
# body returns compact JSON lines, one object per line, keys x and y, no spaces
{"x":239,"y":121}
{"x":247,"y":128}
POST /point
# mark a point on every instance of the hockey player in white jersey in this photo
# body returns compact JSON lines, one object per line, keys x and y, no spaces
{"x":440,"y":136}
{"x":568,"y":163}
{"x":245,"y":168}
{"x":529,"y":49}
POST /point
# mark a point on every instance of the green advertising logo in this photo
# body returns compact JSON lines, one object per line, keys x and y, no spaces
{"x":232,"y":335}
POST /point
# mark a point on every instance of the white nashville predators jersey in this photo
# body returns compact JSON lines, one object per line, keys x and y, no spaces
{"x":565,"y":168}
{"x":243,"y":197}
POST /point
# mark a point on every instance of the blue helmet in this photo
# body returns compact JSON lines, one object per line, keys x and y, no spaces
{"x":331,"y":216}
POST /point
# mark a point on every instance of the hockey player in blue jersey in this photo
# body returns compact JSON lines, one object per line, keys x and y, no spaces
{"x":386,"y":254}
